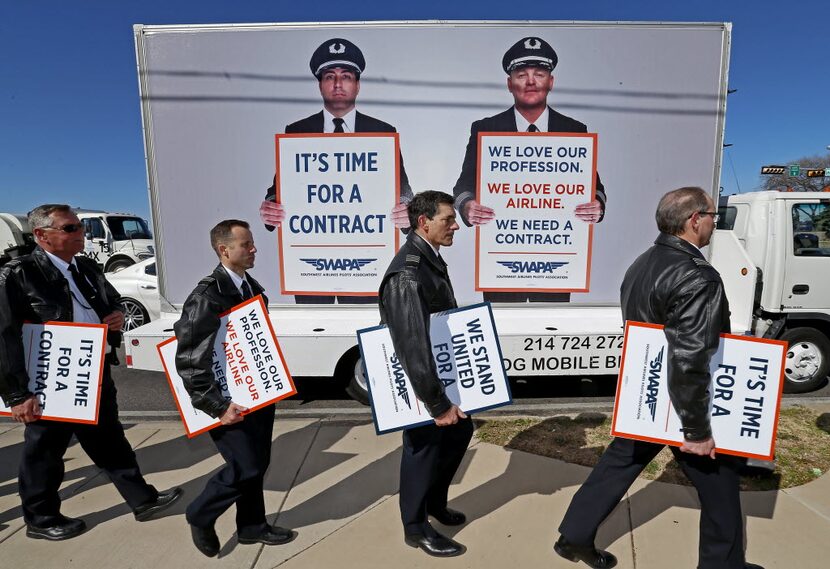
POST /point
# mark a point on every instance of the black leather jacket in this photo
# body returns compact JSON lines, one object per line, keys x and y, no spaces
{"x":196,"y":332}
{"x":32,"y":289}
{"x":672,"y":284}
{"x":415,"y":285}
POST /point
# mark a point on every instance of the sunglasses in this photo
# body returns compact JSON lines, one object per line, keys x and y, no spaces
{"x":68,"y":228}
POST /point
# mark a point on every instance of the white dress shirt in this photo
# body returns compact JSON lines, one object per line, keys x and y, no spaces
{"x":237,"y":281}
{"x":81,"y":309}
{"x":348,"y":121}
{"x":541,"y":123}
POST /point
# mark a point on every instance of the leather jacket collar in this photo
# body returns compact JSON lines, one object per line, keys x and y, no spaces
{"x":49,"y":270}
{"x":676,"y":242}
{"x":225,"y":286}
{"x":426,"y":251}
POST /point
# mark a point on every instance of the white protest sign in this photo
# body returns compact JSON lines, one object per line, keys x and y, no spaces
{"x":533,"y":182}
{"x":247,"y":363}
{"x":747,"y":380}
{"x":338,"y":191}
{"x":465,"y":346}
{"x":65,"y":364}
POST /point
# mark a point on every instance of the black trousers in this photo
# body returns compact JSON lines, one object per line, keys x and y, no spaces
{"x":721,"y":543}
{"x":431,"y":456}
{"x":45,"y":443}
{"x":246,"y":448}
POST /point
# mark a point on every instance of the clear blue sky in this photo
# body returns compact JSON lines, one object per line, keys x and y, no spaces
{"x":70,"y":124}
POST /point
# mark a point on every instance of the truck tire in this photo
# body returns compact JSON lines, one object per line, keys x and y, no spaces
{"x":120,"y":263}
{"x":350,"y":371}
{"x":807,"y":360}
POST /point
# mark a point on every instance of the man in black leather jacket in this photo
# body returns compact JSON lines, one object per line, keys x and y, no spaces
{"x":673,"y":285}
{"x":243,"y":441}
{"x":53,"y":284}
{"x":416,"y":285}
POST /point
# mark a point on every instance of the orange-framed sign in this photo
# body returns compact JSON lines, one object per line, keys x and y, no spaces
{"x":533,"y":182}
{"x":338,"y":191}
{"x":65,"y":364}
{"x":745,"y":392}
{"x":248,"y":365}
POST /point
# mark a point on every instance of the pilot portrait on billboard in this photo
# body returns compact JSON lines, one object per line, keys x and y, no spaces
{"x":529,"y":65}
{"x":337,"y":64}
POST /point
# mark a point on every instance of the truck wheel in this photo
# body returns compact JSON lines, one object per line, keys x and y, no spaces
{"x":119,"y":264}
{"x":807,"y":360}
{"x":350,"y":371}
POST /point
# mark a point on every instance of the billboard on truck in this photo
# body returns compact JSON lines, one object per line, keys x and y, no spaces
{"x":215,"y":98}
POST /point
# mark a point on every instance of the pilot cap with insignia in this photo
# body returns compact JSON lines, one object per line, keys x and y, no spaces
{"x":529,"y":51}
{"x":337,"y":52}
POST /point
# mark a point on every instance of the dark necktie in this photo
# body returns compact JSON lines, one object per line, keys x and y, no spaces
{"x":246,"y":291}
{"x":532,"y":128}
{"x":88,"y":292}
{"x":338,"y":125}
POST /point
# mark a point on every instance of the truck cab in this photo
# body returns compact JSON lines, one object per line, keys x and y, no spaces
{"x":783,"y":242}
{"x":115,"y":240}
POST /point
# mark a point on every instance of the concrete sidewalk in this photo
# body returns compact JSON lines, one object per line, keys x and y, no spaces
{"x":336,"y":485}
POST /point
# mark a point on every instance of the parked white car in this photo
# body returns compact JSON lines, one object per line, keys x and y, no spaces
{"x":138,"y":286}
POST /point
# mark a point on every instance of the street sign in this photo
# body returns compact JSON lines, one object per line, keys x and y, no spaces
{"x":817,"y":173}
{"x":773,"y":169}
{"x":795,"y":169}
{"x":827,"y":172}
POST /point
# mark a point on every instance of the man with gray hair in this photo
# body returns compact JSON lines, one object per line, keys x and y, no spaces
{"x":672,"y":284}
{"x":54,"y":284}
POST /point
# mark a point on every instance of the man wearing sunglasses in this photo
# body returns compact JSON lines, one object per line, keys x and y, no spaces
{"x":53,"y":283}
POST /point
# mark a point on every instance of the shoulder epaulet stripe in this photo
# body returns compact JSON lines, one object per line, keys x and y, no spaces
{"x":204,"y":283}
{"x":413,"y":260}
{"x":701,"y":262}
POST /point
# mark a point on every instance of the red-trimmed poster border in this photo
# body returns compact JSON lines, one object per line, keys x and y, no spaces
{"x":191,"y":434}
{"x":397,"y":200}
{"x":103,"y":328}
{"x":592,"y":135}
{"x":615,"y":432}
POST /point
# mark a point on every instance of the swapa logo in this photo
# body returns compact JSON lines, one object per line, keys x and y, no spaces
{"x":655,"y":366}
{"x":532,"y":266}
{"x":338,"y":264}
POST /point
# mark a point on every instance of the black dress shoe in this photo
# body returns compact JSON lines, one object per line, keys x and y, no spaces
{"x":593,"y":557}
{"x":752,"y":566}
{"x":438,"y":546}
{"x":449,"y":517}
{"x":205,"y":540}
{"x":165,"y":499}
{"x":62,"y":528}
{"x":271,"y":535}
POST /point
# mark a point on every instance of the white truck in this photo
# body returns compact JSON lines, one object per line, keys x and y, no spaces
{"x":773,"y":251}
{"x":113,"y":240}
{"x":214,"y":96}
